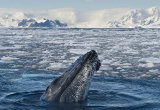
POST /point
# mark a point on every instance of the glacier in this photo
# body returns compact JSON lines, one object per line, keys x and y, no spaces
{"x":72,"y":18}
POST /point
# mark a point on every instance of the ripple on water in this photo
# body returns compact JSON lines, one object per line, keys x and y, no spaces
{"x":29,"y":58}
{"x":96,"y":99}
{"x":114,"y":99}
{"x":26,"y":100}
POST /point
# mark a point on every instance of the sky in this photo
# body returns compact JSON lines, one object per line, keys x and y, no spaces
{"x":84,"y":5}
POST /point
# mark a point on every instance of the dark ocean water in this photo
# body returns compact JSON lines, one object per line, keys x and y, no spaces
{"x":129,"y":78}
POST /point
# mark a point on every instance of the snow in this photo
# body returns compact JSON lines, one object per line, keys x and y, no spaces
{"x":150,"y":60}
{"x":19,"y":15}
{"x":143,"y":17}
{"x":55,"y":66}
{"x":77,"y":51}
{"x":107,"y":18}
{"x":107,"y":61}
{"x":7,"y":59}
{"x":154,"y":71}
{"x":129,"y":53}
{"x":146,"y":65}
{"x":67,"y":15}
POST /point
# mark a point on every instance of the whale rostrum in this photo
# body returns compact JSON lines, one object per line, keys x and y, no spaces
{"x":73,"y":84}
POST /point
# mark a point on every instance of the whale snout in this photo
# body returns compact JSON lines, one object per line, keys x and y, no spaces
{"x":94,"y":57}
{"x":98,"y":65}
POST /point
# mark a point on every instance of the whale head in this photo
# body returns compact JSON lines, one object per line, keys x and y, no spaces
{"x":73,"y":84}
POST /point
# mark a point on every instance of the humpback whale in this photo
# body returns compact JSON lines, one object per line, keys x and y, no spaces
{"x":73,"y":84}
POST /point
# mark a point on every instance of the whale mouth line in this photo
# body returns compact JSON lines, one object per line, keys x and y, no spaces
{"x":90,"y":56}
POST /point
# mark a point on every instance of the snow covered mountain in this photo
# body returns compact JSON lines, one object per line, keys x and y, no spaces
{"x":27,"y":20}
{"x":68,"y":17}
{"x":145,"y":18}
{"x":45,"y":23}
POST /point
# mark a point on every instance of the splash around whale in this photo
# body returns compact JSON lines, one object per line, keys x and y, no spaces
{"x":74,"y":84}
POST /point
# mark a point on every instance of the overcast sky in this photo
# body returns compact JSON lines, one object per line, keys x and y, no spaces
{"x":84,"y":5}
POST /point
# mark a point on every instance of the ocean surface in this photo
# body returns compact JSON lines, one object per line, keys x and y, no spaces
{"x":129,"y":78}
